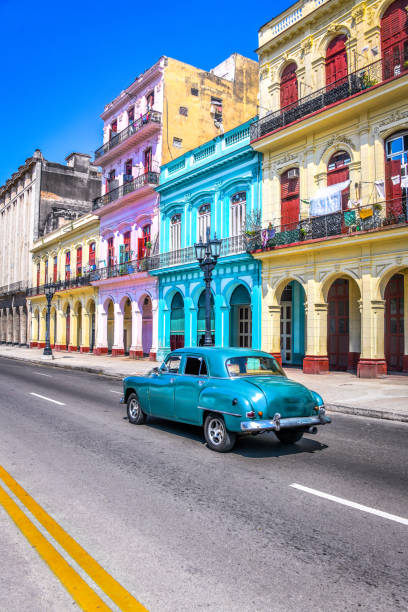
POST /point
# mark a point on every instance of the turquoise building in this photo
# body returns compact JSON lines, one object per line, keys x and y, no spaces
{"x":216,"y":185}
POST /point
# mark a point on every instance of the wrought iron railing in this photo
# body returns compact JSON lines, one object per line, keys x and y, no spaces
{"x":122,"y":269}
{"x":74,"y":282}
{"x":13,"y":288}
{"x":136,"y":125}
{"x":148,"y":178}
{"x":342,"y":223}
{"x":355,"y":82}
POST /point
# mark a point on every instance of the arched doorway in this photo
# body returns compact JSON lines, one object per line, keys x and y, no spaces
{"x":201,"y":320}
{"x":338,"y":325}
{"x":336,"y":62}
{"x":127,"y":326}
{"x":290,"y":207}
{"x":147,"y":325}
{"x":240,"y":318}
{"x":177,"y":322}
{"x":67,"y":326}
{"x":292,"y":324}
{"x":394,"y":39}
{"x":289,"y":87}
{"x":394,"y":323}
{"x":111,"y":325}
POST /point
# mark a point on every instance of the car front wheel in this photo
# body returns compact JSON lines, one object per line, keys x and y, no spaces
{"x":216,"y":434}
{"x":289,"y":436}
{"x":134,"y":410}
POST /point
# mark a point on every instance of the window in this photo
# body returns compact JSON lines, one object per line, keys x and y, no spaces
{"x":253,"y":366}
{"x":146,"y":236}
{"x":92,"y":255}
{"x":336,"y":61}
{"x":216,"y":108}
{"x":290,"y":203}
{"x":237,"y":213}
{"x":172,"y":364}
{"x":46,"y":271}
{"x":150,"y":100}
{"x":394,"y":39}
{"x":79,"y":261}
{"x":126,"y":244}
{"x":194,"y":91}
{"x":148,"y":160}
{"x":177,"y":142}
{"x":289,"y":87}
{"x":396,"y":173}
{"x":175,"y":232}
{"x":183,"y":110}
{"x":55,"y":270}
{"x":113,"y":129}
{"x":111,"y":180}
{"x":204,"y":220}
{"x":131,"y":114}
{"x":111,"y":253}
{"x":38,"y":275}
{"x":128,"y":171}
{"x":338,"y":172}
{"x":67,"y":265}
{"x":192,"y":367}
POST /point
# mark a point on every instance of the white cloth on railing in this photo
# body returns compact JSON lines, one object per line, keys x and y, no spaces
{"x":380,"y":186}
{"x":327,"y":199}
{"x":404,"y":182}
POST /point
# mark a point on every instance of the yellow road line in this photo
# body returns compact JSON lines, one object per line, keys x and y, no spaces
{"x":85,"y":597}
{"x":115,"y":591}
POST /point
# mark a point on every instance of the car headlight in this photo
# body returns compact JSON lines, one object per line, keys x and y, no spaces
{"x":318,"y":400}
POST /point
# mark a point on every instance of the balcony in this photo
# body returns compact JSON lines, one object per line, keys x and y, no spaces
{"x":141,"y":127}
{"x":229,"y":246}
{"x":122,"y":269}
{"x":364,"y":79}
{"x":12,"y":288}
{"x":146,"y":179}
{"x":342,"y":224}
{"x":75,"y":282}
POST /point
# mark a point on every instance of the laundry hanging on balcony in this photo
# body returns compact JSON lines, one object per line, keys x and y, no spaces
{"x":380,"y":186}
{"x":327,"y":200}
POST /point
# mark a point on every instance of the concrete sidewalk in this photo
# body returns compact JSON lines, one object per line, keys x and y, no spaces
{"x":384,"y":398}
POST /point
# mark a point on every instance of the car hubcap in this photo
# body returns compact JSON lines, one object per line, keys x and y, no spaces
{"x":133,"y":408}
{"x":216,"y":431}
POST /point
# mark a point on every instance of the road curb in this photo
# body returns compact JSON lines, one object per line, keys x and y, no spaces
{"x":64,"y":366}
{"x":368,"y":412}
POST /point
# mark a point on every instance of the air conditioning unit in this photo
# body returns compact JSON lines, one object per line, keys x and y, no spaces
{"x":294,"y":173}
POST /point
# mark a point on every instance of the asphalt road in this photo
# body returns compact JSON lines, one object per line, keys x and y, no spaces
{"x":184,"y":528}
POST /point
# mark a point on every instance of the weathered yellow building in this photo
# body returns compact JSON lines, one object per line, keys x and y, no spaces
{"x":333,"y":129}
{"x":66,"y":256}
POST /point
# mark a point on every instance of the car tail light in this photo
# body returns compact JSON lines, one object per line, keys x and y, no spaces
{"x":260,"y":413}
{"x":251,"y":414}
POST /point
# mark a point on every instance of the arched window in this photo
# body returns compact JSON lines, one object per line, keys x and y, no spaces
{"x":79,"y":261}
{"x":237,"y":213}
{"x":177,"y":322}
{"x":175,"y":232}
{"x":396,"y":173}
{"x":204,"y":221}
{"x":394,"y":39}
{"x":290,"y":207}
{"x":338,"y":172}
{"x":289,"y":87}
{"x":240,"y":318}
{"x":336,"y":61}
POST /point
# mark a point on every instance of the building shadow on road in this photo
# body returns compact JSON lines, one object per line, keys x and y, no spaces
{"x":256,"y":447}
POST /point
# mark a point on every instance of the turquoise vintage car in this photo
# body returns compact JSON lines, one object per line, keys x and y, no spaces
{"x":229,"y":391}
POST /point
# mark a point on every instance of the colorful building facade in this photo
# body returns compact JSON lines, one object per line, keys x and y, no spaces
{"x":334,"y":136}
{"x":215,"y":186}
{"x":169,"y":109}
{"x":66,"y":256}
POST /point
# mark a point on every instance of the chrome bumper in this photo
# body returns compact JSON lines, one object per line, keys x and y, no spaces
{"x":278,"y":423}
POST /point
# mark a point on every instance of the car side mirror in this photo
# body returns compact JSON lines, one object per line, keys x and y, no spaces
{"x":155,"y":372}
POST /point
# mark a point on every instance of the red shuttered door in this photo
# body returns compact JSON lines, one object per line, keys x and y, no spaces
{"x":394,"y":39}
{"x":289,"y":87}
{"x":338,"y":325}
{"x":338,"y":172}
{"x":336,"y":61}
{"x":394,"y":323}
{"x":290,"y":208}
{"x":393,"y":190}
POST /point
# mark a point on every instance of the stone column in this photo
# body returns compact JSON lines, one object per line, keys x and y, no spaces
{"x":41,"y":335}
{"x":23,"y":326}
{"x":354,"y":326}
{"x":101,"y":347}
{"x":118,"y":348}
{"x":271,"y":314}
{"x":60,"y":338}
{"x":34,"y":332}
{"x":316,"y":360}
{"x":2,"y":332}
{"x":155,"y":330}
{"x":9,"y":328}
{"x":136,"y":349}
{"x":16,"y":325}
{"x":164,"y":339}
{"x":73,"y":329}
{"x":85,"y":329}
{"x":405,"y":357}
{"x":372,"y":362}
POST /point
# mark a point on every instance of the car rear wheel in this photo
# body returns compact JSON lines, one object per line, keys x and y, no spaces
{"x":134,"y":410}
{"x":216,"y":434}
{"x":289,"y":436}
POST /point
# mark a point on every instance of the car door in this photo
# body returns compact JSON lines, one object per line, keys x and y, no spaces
{"x":188,"y":387}
{"x":162,"y":387}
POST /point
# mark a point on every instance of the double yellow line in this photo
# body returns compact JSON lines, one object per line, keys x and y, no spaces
{"x":79,"y":589}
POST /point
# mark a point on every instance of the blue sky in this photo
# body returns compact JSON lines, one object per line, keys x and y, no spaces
{"x":63,"y":61}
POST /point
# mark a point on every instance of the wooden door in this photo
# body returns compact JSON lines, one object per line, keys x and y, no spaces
{"x":286,"y":332}
{"x":336,"y":62}
{"x":394,"y":39}
{"x":393,"y":189}
{"x":394,"y":323}
{"x":289,"y":87}
{"x":338,"y":325}
{"x":290,"y":204}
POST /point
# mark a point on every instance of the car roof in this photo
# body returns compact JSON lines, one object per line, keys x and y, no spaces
{"x":217,"y":355}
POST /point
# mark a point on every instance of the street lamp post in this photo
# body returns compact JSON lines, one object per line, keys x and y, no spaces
{"x":207,"y":254}
{"x":49,"y":290}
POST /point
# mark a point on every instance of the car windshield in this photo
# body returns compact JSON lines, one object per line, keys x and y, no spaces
{"x":253,"y":366}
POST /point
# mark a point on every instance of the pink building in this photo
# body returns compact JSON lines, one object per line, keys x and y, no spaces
{"x":169,"y":109}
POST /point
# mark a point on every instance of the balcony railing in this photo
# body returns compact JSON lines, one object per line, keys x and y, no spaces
{"x":148,"y":178}
{"x":355,"y":82}
{"x":136,"y":125}
{"x":342,"y":223}
{"x":13,"y":288}
{"x":74,"y":282}
{"x":122,"y":269}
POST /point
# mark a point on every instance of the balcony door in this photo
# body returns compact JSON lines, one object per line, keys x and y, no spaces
{"x":338,"y":172}
{"x":289,"y":87}
{"x":336,"y":62}
{"x":394,"y":39}
{"x":394,"y":323}
{"x":290,"y":206}
{"x":338,"y":325}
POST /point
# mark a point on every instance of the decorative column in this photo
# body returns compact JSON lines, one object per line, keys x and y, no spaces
{"x":271,"y":339}
{"x":117,"y":347}
{"x":60,"y":340}
{"x":34,"y":332}
{"x":2,"y":331}
{"x":372,"y":362}
{"x":354,"y":326}
{"x":73,"y":329}
{"x":316,"y":360}
{"x":155,"y":330}
{"x":405,"y":357}
{"x":23,"y":326}
{"x":85,"y":326}
{"x":136,"y":349}
{"x":9,"y":326}
{"x":164,"y":335}
{"x":101,"y":347}
{"x":41,"y":335}
{"x":16,"y":325}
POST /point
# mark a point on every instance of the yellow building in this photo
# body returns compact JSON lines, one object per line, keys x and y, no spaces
{"x":66,"y":256}
{"x":333,"y":129}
